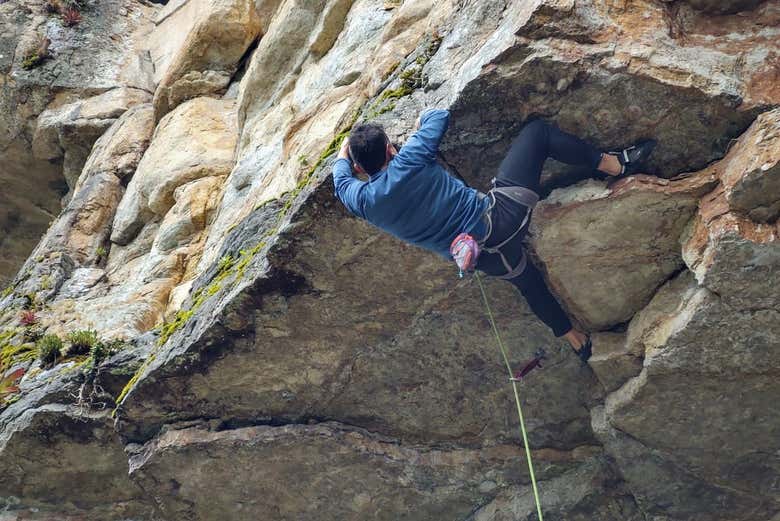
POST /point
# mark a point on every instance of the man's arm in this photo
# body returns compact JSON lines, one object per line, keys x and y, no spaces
{"x":421,"y":148}
{"x":345,"y":184}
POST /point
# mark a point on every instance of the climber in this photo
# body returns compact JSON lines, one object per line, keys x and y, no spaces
{"x":411,"y":196}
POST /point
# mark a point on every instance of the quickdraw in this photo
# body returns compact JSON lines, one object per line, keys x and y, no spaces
{"x":535,"y":362}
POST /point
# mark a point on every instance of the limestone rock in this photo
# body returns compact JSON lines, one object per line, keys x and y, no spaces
{"x":727,"y":250}
{"x":67,"y":133}
{"x":196,"y":140}
{"x":207,"y":59}
{"x":751,"y":172}
{"x":722,"y":7}
{"x":103,"y":53}
{"x":195,"y":204}
{"x":83,"y":227}
{"x":338,"y":472}
{"x":593,"y":67}
{"x":612,"y":360}
{"x":276,"y":335}
{"x":663,"y":488}
{"x":86,"y":453}
{"x":606,"y":250}
{"x":729,"y":254}
{"x":402,"y":376}
{"x":696,"y":401}
{"x":62,"y":460}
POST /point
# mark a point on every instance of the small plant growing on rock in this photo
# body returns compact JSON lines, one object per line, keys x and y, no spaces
{"x":71,"y":17}
{"x":46,"y":282}
{"x":38,"y":55}
{"x":28,"y":318}
{"x":9,"y":385}
{"x":90,"y":393}
{"x":101,"y":253}
{"x":49,"y":348}
{"x":226,"y":262}
{"x":102,"y":349}
{"x":81,"y":342}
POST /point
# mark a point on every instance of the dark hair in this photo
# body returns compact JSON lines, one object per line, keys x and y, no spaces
{"x":367,"y":147}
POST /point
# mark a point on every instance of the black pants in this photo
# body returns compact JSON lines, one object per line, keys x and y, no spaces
{"x":522,"y":166}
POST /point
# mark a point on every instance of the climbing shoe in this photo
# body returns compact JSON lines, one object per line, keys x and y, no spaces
{"x":633,"y":158}
{"x":585,"y":351}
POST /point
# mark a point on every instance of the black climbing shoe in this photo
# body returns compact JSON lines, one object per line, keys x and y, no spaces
{"x":633,"y":158}
{"x":585,"y":351}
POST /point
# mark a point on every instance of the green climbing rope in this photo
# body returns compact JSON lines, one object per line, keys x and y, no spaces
{"x":517,"y":396}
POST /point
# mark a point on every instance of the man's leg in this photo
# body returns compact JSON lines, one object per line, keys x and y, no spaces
{"x":537,"y":141}
{"x":522,"y":166}
{"x":541,"y":301}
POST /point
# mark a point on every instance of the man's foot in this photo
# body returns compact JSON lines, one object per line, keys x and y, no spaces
{"x":629,"y":161}
{"x":580,"y":344}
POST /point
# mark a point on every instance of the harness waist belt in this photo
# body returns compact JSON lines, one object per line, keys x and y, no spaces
{"x":518,"y":194}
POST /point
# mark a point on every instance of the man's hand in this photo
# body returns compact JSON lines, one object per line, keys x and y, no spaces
{"x":344,"y":151}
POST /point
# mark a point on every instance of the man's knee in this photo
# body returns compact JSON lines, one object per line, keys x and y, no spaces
{"x":537,"y":126}
{"x":534,"y":132}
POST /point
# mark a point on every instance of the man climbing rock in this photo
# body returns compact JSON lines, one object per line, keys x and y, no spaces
{"x":411,"y":196}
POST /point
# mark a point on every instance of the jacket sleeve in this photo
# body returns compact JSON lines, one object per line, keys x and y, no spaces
{"x":346,"y":186}
{"x":421,"y":148}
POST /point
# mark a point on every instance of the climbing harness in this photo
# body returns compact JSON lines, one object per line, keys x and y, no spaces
{"x":514,"y":378}
{"x":523,"y":196}
{"x":465,"y":249}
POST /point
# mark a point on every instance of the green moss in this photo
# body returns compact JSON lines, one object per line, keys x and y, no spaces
{"x":46,"y":282}
{"x":81,"y":341}
{"x":411,"y":79}
{"x":390,"y":71}
{"x":265,"y":203}
{"x":12,"y":399}
{"x":49,"y":349}
{"x":7,"y":335}
{"x":169,"y":328}
{"x":31,"y":61}
{"x":30,"y":301}
{"x":226,"y":262}
{"x":100,"y":351}
{"x":130,"y":383}
{"x":7,"y":291}
{"x":237,"y":267}
{"x":12,"y":354}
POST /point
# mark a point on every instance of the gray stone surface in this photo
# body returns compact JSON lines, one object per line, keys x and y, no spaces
{"x":331,"y":471}
{"x":102,"y":53}
{"x":289,"y":361}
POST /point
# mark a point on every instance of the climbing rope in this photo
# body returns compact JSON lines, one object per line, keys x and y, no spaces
{"x":517,"y":396}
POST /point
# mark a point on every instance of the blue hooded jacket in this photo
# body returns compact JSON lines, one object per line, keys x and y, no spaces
{"x":414,"y":198}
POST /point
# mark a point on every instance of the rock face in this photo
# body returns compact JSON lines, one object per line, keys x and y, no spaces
{"x":274,"y":364}
{"x":87,"y":76}
{"x":206,"y":61}
{"x":67,"y":133}
{"x":610,"y":248}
